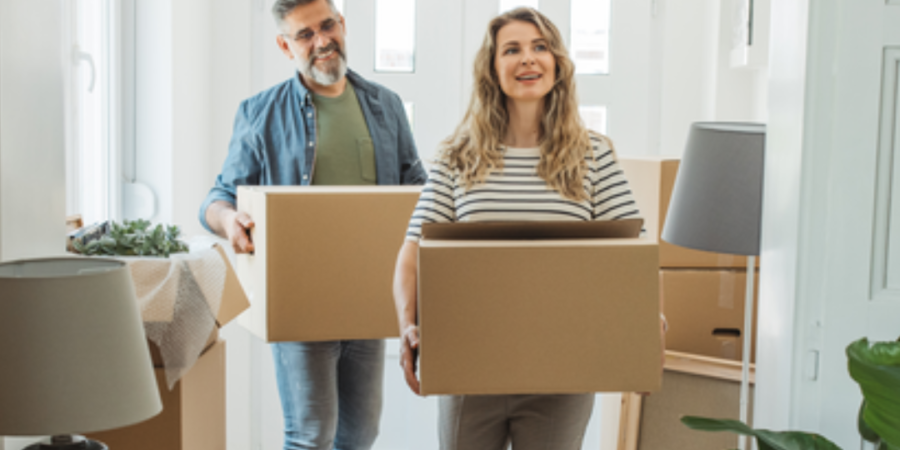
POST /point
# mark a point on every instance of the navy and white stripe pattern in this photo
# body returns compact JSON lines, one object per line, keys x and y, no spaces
{"x":518,"y":193}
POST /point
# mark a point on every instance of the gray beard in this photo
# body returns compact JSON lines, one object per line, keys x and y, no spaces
{"x":330,"y":76}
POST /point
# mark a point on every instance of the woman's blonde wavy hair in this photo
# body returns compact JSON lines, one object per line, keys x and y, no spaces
{"x":474,"y":148}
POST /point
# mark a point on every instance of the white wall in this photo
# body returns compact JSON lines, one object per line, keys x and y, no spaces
{"x":696,"y":80}
{"x":32,"y":152}
{"x":153,"y":102}
{"x":229,"y":77}
{"x":689,"y":69}
{"x":192,"y":108}
{"x":781,"y":226}
{"x":174,"y":104}
{"x":32,"y":156}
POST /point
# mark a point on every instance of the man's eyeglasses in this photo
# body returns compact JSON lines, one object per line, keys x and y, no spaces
{"x":306,"y":35}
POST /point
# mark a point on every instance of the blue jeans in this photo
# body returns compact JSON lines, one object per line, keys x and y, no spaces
{"x":330,"y":393}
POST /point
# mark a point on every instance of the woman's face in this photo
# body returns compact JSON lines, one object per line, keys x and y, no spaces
{"x":524,"y":64}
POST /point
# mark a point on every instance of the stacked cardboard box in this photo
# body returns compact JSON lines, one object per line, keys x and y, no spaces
{"x":193,"y":415}
{"x":694,"y":386}
{"x":702,"y":293}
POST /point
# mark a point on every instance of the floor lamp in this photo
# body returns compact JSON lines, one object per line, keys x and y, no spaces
{"x":716,"y":206}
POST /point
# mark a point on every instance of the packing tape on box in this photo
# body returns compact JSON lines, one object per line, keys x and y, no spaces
{"x":725,"y":260}
{"x":726,"y":290}
{"x":179,"y":299}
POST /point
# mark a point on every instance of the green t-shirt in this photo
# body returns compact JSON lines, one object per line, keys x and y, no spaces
{"x":344,"y":151}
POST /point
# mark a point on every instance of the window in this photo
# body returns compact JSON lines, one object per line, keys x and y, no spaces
{"x":506,"y":5}
{"x":91,"y":91}
{"x":395,"y":35}
{"x":590,"y":36}
{"x":594,"y":117}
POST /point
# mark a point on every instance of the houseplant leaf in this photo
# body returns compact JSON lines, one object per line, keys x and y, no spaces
{"x":767,"y":440}
{"x":876,"y":368}
{"x":864,"y":430}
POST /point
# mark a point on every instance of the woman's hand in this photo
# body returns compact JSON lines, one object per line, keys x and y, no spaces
{"x":663,"y":328}
{"x":405,"y":275}
{"x":409,"y":356}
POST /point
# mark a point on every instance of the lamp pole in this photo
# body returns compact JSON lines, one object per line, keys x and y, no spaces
{"x":748,"y":346}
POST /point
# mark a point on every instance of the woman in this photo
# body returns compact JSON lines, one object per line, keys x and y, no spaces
{"x":520,"y":153}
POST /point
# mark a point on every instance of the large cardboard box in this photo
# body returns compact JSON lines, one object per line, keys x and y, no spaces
{"x":705,"y":311}
{"x":324,"y":260}
{"x":538,"y":316}
{"x":692,"y":385}
{"x":652,"y":180}
{"x":193,"y":415}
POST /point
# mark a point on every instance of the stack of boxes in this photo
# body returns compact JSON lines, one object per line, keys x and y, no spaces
{"x":702,"y":293}
{"x":193,"y":415}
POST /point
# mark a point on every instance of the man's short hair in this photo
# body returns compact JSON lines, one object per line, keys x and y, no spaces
{"x":282,"y":8}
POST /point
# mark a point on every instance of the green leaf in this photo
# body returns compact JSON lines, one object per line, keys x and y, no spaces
{"x":92,"y":248}
{"x":863,"y":427}
{"x":134,"y":238}
{"x":877,"y":370}
{"x":767,"y":440}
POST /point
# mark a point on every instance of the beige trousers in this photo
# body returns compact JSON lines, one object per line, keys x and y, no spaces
{"x":528,"y":422}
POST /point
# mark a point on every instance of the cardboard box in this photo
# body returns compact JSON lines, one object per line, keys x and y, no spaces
{"x":193,"y":416}
{"x":323,"y":266}
{"x":233,"y":303}
{"x":652,"y":180}
{"x":705,"y":311}
{"x":538,"y":316}
{"x":692,"y":385}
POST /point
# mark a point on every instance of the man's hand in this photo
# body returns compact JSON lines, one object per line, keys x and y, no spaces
{"x":231,"y":224}
{"x":409,"y":355}
{"x":237,"y":227}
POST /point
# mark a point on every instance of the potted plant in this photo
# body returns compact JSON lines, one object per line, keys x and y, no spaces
{"x":876,"y":368}
{"x":131,"y":238}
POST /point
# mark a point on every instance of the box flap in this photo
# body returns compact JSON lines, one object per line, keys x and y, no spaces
{"x":626,"y":228}
{"x":234,"y":300}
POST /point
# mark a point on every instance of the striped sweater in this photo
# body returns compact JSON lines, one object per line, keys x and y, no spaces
{"x":518,"y":193}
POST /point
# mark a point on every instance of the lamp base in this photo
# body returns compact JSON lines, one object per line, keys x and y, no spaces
{"x":68,"y":442}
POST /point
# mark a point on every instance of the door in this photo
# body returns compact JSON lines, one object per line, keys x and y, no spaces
{"x":850,"y":255}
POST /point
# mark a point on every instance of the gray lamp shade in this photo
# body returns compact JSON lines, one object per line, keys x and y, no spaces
{"x":73,"y":356}
{"x":716,"y":204}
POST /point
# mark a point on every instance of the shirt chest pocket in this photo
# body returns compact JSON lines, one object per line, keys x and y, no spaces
{"x":366,"y":150}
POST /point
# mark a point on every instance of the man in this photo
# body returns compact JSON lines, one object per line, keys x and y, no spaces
{"x":326,"y":125}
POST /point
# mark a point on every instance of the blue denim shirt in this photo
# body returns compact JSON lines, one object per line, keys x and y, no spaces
{"x":274,"y":140}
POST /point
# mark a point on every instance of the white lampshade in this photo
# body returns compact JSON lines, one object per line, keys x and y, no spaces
{"x":73,"y":356}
